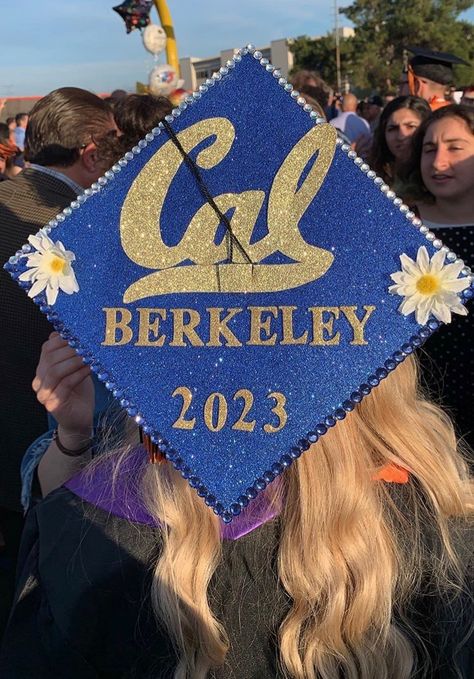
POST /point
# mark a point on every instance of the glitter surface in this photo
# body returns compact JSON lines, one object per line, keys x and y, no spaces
{"x":230,"y":364}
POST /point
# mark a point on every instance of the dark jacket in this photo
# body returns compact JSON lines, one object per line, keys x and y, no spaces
{"x":27,"y":203}
{"x":82,"y":609}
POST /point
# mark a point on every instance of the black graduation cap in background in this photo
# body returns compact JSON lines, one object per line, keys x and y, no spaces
{"x":436,"y":66}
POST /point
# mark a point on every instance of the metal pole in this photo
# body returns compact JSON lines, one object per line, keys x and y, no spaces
{"x":338,"y":51}
{"x":167,"y":24}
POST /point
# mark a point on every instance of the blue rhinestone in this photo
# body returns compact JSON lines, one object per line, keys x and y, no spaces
{"x":226,"y":517}
{"x":235,"y":508}
{"x":164,"y":447}
{"x":415,"y":341}
{"x":24,"y":285}
{"x":433,"y":324}
{"x":132,"y":410}
{"x":179,"y":463}
{"x":467,"y":294}
{"x":95,"y":367}
{"x":44,"y":308}
{"x":398,"y":357}
{"x":201,"y":490}
{"x":365,"y":389}
{"x":277,"y":468}
{"x":381,"y":373}
{"x":340,"y":414}
{"x":117,"y":393}
{"x":260,"y":484}
{"x":407,"y":348}
{"x":330,"y":421}
{"x":321,"y":429}
{"x":186,"y":472}
{"x":312,"y":437}
{"x":425,"y":332}
{"x":243,"y":500}
{"x":304,"y":444}
{"x":87,"y":360}
{"x":103,"y":377}
{"x":285,"y":460}
{"x":109,"y":385}
{"x":210,"y":500}
{"x":356,"y":397}
{"x":147,"y":429}
{"x":251,"y":493}
{"x":138,"y":419}
{"x":268,"y":477}
{"x":373,"y":381}
{"x":194,"y":481}
{"x":390,"y":364}
{"x":124,"y":403}
{"x":295,"y":452}
{"x":348,"y":405}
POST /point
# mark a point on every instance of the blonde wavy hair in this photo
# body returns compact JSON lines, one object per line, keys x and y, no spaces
{"x":349,"y":555}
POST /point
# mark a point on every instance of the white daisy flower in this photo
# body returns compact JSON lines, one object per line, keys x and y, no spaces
{"x":429,"y":287}
{"x":49,"y":268}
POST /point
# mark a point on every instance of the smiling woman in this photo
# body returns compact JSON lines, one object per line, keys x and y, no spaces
{"x":440,"y":186}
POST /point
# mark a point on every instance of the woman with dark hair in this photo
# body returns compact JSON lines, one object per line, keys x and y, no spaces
{"x":391,"y":143}
{"x":439,"y":185}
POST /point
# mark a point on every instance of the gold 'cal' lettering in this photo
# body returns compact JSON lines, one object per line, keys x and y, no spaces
{"x":289,"y":198}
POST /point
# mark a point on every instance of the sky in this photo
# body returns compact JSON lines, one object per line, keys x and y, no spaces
{"x":54,"y":43}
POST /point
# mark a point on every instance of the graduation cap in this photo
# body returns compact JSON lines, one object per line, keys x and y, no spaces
{"x":436,"y":66}
{"x":240,"y":281}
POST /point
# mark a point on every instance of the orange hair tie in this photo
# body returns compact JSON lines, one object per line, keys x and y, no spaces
{"x":392,"y":473}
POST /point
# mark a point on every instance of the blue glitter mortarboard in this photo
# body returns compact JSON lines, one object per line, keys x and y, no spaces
{"x":237,"y":345}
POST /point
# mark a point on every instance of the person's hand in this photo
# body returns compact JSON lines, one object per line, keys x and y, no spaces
{"x":63,"y":385}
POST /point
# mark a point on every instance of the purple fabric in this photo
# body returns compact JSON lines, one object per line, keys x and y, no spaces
{"x":122,"y":498}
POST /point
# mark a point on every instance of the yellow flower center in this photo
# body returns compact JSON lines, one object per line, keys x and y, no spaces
{"x":57,"y":264}
{"x":427,"y":284}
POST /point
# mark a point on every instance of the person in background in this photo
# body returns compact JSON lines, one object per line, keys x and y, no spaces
{"x":430,"y":75}
{"x":8,"y":153}
{"x":21,"y":120}
{"x":348,"y":122}
{"x":391,"y":142}
{"x":310,"y":84}
{"x":61,"y":143}
{"x":467,"y":98}
{"x":438,"y":183}
{"x":374,"y":109}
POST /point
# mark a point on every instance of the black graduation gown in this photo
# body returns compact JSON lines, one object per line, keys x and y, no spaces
{"x":82,"y":609}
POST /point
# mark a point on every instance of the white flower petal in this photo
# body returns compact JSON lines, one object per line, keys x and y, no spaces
{"x":423,"y":259}
{"x":37,"y":287}
{"x":456,"y":285}
{"x":437,"y":261}
{"x":423,"y":310}
{"x":451,"y":271}
{"x":459,"y":309}
{"x":441,"y":312}
{"x":68,"y":284}
{"x":409,"y":266}
{"x":27,"y":275}
{"x":51,"y":294}
{"x":35,"y":242}
{"x":409,"y":305}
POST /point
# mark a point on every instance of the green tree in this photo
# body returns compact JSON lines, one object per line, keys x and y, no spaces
{"x":373,"y":59}
{"x":384,"y":28}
